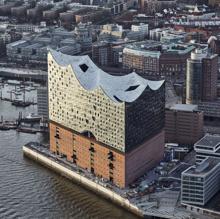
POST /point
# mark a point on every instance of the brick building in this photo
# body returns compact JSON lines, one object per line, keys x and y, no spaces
{"x":154,"y":59}
{"x":110,"y":125}
{"x":183,"y":124}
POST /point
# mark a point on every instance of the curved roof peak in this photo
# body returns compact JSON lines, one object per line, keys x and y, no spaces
{"x":126,"y":88}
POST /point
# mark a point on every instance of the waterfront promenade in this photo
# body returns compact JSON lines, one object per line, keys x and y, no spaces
{"x":160,"y":204}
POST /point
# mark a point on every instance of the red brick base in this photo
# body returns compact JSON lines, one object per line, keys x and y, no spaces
{"x":105,"y":161}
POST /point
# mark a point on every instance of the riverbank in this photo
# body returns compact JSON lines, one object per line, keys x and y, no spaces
{"x":146,"y":207}
{"x":76,"y":177}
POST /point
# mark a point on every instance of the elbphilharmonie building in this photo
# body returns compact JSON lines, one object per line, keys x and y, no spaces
{"x":110,"y":125}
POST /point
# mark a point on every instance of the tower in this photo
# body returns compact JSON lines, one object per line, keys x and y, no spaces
{"x":201,"y":77}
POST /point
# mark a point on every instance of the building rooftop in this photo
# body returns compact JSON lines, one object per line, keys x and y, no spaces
{"x":125,"y":88}
{"x":155,"y":48}
{"x":19,"y":43}
{"x":209,"y":140}
{"x":185,"y":107}
{"x":203,"y":168}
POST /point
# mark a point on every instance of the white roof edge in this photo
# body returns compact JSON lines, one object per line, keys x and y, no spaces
{"x":126,"y":88}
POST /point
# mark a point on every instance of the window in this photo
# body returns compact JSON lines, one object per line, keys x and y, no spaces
{"x":131,"y":88}
{"x":84,"y":67}
{"x":111,"y":166}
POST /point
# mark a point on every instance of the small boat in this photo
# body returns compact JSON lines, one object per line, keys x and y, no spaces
{"x":20,"y":103}
{"x":36,"y":85}
{"x":4,"y":128}
{"x":27,"y":89}
{"x":13,"y":82}
{"x":29,"y":83}
{"x":32,"y":118}
{"x":27,"y":130}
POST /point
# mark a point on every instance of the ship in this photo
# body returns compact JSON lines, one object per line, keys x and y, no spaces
{"x":32,"y":118}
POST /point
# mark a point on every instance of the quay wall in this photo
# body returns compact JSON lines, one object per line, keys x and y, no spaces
{"x":76,"y":177}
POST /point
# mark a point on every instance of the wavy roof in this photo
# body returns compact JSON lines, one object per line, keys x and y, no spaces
{"x":126,"y":88}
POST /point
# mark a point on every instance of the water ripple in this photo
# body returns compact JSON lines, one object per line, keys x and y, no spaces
{"x":29,"y":190}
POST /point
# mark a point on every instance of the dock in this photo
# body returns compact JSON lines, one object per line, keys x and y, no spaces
{"x":20,"y":125}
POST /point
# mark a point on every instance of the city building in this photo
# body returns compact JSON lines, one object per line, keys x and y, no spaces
{"x":42,"y":102}
{"x":92,"y":16}
{"x":33,"y":49}
{"x":109,"y":125}
{"x":201,"y":77}
{"x":214,"y":44}
{"x":6,"y":37}
{"x":109,"y":53}
{"x":199,"y":183}
{"x":102,"y":53}
{"x":183,"y":124}
{"x":214,"y":2}
{"x":168,"y":35}
{"x":143,"y":57}
{"x":208,"y":146}
{"x":209,"y":77}
{"x":210,"y":109}
{"x":140,"y":28}
{"x":155,"y":59}
{"x":84,"y":35}
{"x":152,"y":6}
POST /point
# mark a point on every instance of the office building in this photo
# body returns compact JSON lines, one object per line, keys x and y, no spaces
{"x":183,"y":124}
{"x":102,"y":53}
{"x":110,"y":125}
{"x":201,"y":182}
{"x":209,"y":77}
{"x":208,"y":146}
{"x":201,"y":77}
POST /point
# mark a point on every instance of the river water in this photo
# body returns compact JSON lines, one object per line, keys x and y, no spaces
{"x":29,"y":190}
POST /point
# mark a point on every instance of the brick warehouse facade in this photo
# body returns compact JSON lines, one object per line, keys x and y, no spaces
{"x":124,"y":168}
{"x":113,"y":129}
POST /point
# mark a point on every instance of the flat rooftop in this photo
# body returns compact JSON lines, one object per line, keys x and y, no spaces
{"x":144,"y":45}
{"x":209,"y":140}
{"x":158,"y":47}
{"x":204,"y":168}
{"x":185,"y":107}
